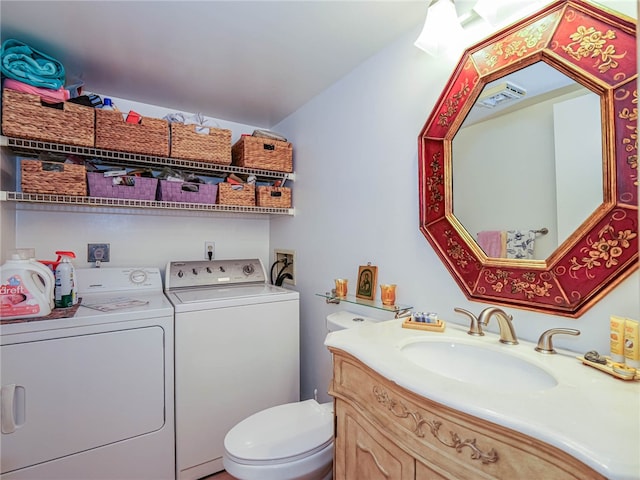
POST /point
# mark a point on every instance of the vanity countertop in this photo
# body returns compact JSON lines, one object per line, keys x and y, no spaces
{"x":591,"y":415}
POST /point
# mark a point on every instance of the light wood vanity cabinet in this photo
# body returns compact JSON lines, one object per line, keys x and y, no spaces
{"x":384,"y":431}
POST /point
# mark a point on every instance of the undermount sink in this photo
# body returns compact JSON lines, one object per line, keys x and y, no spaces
{"x":478,"y":365}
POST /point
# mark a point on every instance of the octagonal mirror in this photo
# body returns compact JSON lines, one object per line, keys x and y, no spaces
{"x":528,"y":162}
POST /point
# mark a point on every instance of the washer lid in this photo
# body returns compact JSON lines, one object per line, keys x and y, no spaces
{"x":283,"y":432}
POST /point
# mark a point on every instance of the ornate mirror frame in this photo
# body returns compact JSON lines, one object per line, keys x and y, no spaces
{"x":597,"y":49}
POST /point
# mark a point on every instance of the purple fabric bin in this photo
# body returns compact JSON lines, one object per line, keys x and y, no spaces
{"x":183,"y":192}
{"x":127,"y":186}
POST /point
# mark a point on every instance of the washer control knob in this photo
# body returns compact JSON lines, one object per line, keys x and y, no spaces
{"x":248,"y":269}
{"x":180,"y":273}
{"x":195,"y":272}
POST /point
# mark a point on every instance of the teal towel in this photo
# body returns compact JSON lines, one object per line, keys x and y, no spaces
{"x":28,"y":65}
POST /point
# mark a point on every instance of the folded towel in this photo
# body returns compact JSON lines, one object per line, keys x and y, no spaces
{"x":520,"y":244}
{"x":28,"y":65}
{"x":491,"y":242}
{"x":47,"y":95}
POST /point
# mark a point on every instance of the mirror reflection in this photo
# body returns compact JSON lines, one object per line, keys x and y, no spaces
{"x":527,"y":163}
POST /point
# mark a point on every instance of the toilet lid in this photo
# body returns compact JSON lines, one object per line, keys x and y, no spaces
{"x":281,"y":433}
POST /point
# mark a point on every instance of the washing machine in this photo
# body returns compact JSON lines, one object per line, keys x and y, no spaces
{"x":91,"y":396}
{"x":236,"y":353}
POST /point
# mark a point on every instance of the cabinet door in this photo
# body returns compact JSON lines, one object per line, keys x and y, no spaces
{"x":424,"y":472}
{"x":363,"y":453}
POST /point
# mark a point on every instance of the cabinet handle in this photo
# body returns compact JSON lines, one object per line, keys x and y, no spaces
{"x":7,"y":394}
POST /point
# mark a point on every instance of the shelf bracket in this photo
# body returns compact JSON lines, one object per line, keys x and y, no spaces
{"x":331,"y":297}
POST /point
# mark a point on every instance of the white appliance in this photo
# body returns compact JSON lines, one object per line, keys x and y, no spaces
{"x":91,"y":397}
{"x":236,"y":353}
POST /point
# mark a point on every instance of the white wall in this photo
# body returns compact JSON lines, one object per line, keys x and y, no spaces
{"x":355,"y":154}
{"x":355,"y":157}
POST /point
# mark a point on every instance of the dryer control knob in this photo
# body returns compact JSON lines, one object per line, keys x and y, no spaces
{"x":138,"y":276}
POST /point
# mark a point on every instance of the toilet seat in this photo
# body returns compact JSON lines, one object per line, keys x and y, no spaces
{"x":281,"y":434}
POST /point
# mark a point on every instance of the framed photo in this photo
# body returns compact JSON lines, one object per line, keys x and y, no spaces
{"x":367,"y":281}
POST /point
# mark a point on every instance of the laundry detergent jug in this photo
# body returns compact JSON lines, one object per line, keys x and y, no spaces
{"x":41,"y":266}
{"x":25,"y":290}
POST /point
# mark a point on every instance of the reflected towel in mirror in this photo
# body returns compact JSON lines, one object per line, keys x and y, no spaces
{"x":520,"y":244}
{"x":492,"y":242}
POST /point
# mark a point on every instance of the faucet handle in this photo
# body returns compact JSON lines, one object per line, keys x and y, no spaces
{"x":545,"y":343}
{"x":474,"y":328}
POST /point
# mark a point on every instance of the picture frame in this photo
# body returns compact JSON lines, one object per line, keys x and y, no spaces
{"x":367,"y":281}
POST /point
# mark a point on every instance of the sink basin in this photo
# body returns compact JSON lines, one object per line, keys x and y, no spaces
{"x":478,"y":365}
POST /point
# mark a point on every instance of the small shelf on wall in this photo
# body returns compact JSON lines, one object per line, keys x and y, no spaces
{"x":399,"y":310}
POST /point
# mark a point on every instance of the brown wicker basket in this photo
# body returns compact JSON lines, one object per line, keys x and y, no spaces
{"x":263,"y":153}
{"x":214,"y":147}
{"x":150,"y":137}
{"x":243,"y":195}
{"x":275,"y":197}
{"x":53,"y":178}
{"x":25,"y":116}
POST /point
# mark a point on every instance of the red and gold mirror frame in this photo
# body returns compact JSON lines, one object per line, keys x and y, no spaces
{"x":596,"y":48}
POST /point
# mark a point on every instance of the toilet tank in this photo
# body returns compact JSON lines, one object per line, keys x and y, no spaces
{"x":343,"y":320}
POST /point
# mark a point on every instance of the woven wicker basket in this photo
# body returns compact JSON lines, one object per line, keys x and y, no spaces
{"x":150,"y":137}
{"x":214,"y":147}
{"x":243,"y":195}
{"x":187,"y":192}
{"x":263,"y":153}
{"x":275,"y":197}
{"x":127,"y":186}
{"x":25,"y":116}
{"x":53,"y":178}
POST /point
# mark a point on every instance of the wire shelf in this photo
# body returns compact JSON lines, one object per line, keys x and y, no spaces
{"x":131,"y":203}
{"x":31,"y":147}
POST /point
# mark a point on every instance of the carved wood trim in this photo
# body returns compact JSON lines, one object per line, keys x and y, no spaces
{"x":401,"y":411}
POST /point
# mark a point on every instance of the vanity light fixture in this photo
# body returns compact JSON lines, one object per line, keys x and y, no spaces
{"x":496,"y":12}
{"x":504,"y":92}
{"x":442,"y":29}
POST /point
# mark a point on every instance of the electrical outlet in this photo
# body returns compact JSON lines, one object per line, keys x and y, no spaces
{"x":285,"y":266}
{"x":209,"y":250}
{"x":98,"y":252}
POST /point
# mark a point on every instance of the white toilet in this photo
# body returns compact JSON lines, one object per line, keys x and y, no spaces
{"x":287,"y":442}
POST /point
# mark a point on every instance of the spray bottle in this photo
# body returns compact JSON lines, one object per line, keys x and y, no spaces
{"x":66,"y":294}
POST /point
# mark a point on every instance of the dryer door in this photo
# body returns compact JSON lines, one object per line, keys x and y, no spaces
{"x":70,"y":394}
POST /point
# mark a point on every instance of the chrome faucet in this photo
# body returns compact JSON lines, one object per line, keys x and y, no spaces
{"x":474,"y":329}
{"x":507,"y":333}
{"x":545,"y":343}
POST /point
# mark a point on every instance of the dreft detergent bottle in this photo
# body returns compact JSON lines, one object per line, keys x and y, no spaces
{"x":24,"y":290}
{"x":66,"y":294}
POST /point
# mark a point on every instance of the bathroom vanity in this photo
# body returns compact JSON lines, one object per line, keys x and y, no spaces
{"x":397,"y":419}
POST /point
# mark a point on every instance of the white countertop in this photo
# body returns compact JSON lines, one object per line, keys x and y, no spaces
{"x":591,"y":415}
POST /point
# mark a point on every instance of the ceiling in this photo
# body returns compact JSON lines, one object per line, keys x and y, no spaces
{"x":252,"y":62}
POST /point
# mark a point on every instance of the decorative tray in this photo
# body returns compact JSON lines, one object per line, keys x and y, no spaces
{"x":618,"y":372}
{"x":431,"y":327}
